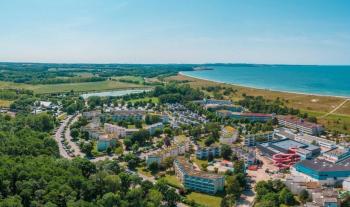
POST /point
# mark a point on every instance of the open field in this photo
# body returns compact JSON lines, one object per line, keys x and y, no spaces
{"x":5,"y":103}
{"x":205,"y":199}
{"x":66,"y":87}
{"x":313,"y":104}
{"x":153,"y":99}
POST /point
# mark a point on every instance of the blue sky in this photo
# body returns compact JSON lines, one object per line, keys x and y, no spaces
{"x":175,"y":31}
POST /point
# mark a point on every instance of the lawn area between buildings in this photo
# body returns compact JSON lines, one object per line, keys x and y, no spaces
{"x":205,"y":199}
{"x":173,"y":181}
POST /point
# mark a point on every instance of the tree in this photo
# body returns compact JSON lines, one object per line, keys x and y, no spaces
{"x":109,"y":200}
{"x":155,"y":197}
{"x":239,"y":167}
{"x":74,"y":133}
{"x":304,"y":196}
{"x":226,"y":152}
{"x":14,"y":201}
{"x":153,"y":167}
{"x":286,"y":197}
{"x":87,"y":148}
{"x":233,"y":187}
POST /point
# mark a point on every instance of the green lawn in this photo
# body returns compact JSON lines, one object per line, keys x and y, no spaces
{"x":199,"y":162}
{"x":332,"y":122}
{"x":146,"y":99}
{"x":144,"y":171}
{"x":172,"y":180}
{"x":204,"y":199}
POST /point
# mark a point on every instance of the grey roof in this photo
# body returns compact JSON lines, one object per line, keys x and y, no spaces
{"x":326,"y":166}
{"x":288,"y":143}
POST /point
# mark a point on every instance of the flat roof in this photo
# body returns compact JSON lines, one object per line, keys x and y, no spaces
{"x":288,"y":143}
{"x":326,"y":166}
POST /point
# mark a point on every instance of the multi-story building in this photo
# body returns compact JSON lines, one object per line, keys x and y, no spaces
{"x":254,"y":117}
{"x":177,"y":149}
{"x":336,"y":155}
{"x":319,"y":195}
{"x":91,"y":114}
{"x":252,"y":139}
{"x":228,"y":135}
{"x":322,"y":170}
{"x":105,"y":141}
{"x":118,"y":130}
{"x":305,"y":138}
{"x":153,"y":127}
{"x":127,"y":115}
{"x":205,"y":152}
{"x":197,"y":180}
{"x":300,"y":124}
{"x":213,"y":101}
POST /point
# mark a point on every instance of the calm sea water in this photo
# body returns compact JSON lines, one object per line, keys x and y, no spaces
{"x":322,"y":80}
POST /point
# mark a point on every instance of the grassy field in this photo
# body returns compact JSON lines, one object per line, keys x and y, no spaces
{"x":313,"y":104}
{"x":130,"y":78}
{"x":153,"y":99}
{"x":204,"y":199}
{"x":66,"y":87}
{"x":172,"y":180}
{"x":5,"y":103}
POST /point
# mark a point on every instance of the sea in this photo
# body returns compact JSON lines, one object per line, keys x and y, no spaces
{"x":317,"y":80}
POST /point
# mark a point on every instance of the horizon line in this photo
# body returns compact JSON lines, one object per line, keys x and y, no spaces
{"x":208,"y":63}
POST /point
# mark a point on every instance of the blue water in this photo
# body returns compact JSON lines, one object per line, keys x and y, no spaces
{"x":322,"y":80}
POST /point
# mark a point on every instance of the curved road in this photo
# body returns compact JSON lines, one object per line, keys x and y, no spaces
{"x":59,"y":139}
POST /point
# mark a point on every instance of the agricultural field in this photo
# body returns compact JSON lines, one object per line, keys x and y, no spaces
{"x":66,"y":87}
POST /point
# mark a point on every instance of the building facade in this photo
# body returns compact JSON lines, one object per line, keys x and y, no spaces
{"x":300,"y":124}
{"x":205,"y":152}
{"x":252,"y":139}
{"x":197,"y":180}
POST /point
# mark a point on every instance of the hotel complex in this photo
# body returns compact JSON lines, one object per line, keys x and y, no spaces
{"x":254,"y":117}
{"x":197,"y":180}
{"x":300,"y":124}
{"x":177,"y":149}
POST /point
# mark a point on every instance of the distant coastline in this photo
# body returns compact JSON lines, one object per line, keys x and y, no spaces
{"x":266,"y":89}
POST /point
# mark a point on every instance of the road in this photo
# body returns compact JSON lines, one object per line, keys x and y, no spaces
{"x":248,"y":197}
{"x":77,"y":152}
{"x":58,"y":137}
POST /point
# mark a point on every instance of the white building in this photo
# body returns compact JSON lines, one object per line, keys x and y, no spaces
{"x":229,"y":135}
{"x":252,"y":139}
{"x":118,"y":130}
{"x":300,"y":124}
{"x":308,"y":139}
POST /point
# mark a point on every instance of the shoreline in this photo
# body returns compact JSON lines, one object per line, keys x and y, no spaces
{"x":257,"y":88}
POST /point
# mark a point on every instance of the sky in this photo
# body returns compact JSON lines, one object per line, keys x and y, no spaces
{"x":176,"y":31}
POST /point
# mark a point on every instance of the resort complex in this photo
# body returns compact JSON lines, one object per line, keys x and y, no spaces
{"x":197,"y":180}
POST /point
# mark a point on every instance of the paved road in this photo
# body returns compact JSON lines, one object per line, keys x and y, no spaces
{"x":58,"y":138}
{"x":74,"y":146}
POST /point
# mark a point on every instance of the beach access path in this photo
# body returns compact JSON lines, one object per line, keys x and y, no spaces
{"x":336,"y":108}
